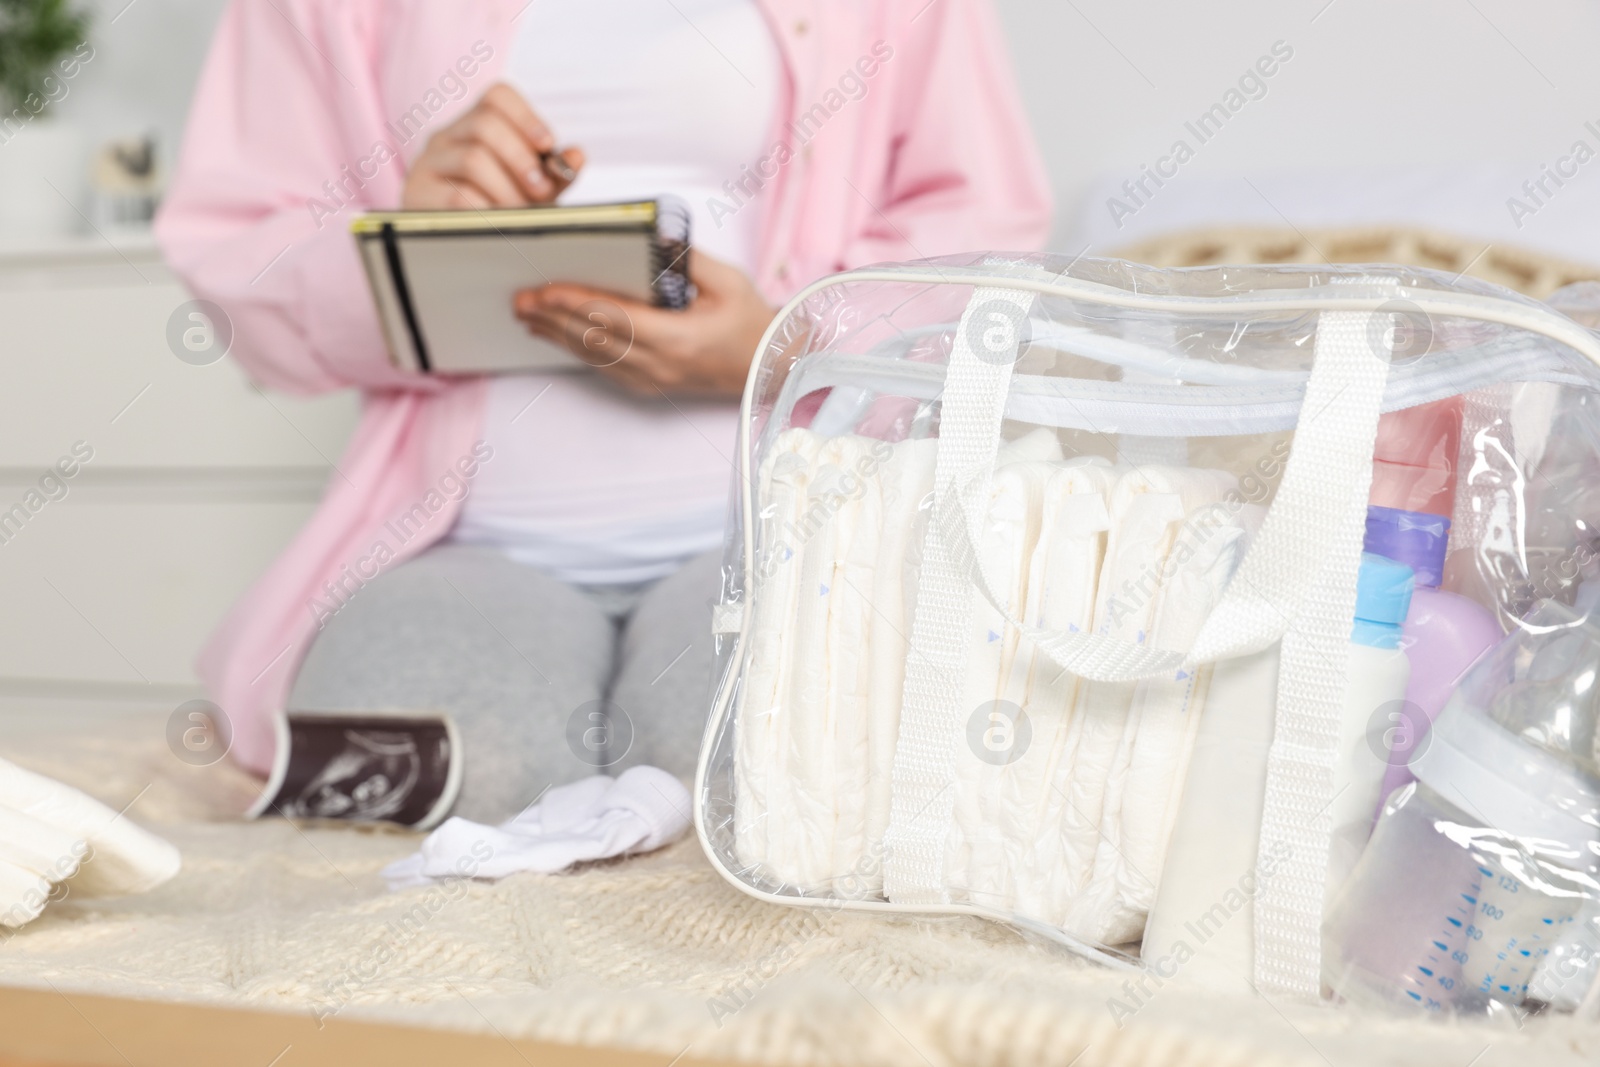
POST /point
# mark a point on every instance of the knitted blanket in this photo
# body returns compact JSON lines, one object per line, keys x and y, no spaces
{"x":654,"y":952}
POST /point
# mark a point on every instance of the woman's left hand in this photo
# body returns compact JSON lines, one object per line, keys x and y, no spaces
{"x":703,"y":350}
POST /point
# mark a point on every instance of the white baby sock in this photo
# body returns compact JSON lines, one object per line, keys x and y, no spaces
{"x":596,"y":818}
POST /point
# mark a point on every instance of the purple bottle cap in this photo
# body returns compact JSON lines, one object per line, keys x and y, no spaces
{"x":1415,"y":538}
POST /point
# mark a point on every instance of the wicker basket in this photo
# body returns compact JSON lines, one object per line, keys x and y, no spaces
{"x":1531,"y":273}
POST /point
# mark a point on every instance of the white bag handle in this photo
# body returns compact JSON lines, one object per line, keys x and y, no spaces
{"x":1298,"y":578}
{"x":973,"y":404}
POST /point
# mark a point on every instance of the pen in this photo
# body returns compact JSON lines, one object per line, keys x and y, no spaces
{"x":557,"y":167}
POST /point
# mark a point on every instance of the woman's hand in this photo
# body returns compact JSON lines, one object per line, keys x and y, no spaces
{"x":703,"y":350}
{"x":489,"y":157}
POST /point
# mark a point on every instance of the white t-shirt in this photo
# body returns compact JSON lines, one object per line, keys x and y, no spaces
{"x":587,"y":481}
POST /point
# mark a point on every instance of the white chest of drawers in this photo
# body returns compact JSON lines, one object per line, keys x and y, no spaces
{"x":197,"y":479}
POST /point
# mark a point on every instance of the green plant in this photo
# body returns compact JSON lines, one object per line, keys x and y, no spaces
{"x":34,"y":34}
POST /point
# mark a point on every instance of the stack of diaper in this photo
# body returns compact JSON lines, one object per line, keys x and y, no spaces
{"x":820,"y":707}
{"x":1065,"y":817}
{"x":55,"y":840}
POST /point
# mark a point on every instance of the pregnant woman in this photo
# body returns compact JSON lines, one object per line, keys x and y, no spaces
{"x":561,"y":554}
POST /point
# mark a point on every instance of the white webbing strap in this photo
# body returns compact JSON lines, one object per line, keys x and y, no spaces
{"x":1340,"y":414}
{"x":971,"y":407}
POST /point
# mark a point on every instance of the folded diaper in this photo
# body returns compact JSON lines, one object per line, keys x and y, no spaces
{"x":23,"y":894}
{"x":850,"y":618}
{"x":1115,"y":780}
{"x":819,"y":713}
{"x":822,"y":727}
{"x":1141,"y":529}
{"x":640,"y":810}
{"x":1062,"y":589}
{"x":782,"y":481}
{"x":51,"y":833}
{"x":1167,"y":710}
{"x":1035,"y":446}
{"x":38,"y":847}
{"x":995,"y":686}
{"x":905,"y":483}
{"x":1162,"y":723}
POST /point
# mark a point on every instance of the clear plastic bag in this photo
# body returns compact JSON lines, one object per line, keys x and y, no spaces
{"x":1046,"y":599}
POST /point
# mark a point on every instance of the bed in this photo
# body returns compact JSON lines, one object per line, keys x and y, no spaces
{"x":651,"y":955}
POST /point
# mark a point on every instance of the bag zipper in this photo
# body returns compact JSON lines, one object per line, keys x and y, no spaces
{"x":1163,"y":410}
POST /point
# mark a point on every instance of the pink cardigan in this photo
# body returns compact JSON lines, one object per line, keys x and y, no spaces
{"x":301,"y":104}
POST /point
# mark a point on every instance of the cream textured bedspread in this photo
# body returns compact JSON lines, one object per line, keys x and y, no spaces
{"x":654,"y":952}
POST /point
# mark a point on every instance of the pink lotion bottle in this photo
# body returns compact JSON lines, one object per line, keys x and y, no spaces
{"x":1415,"y":457}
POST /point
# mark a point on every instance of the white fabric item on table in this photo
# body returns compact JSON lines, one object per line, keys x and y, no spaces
{"x":51,"y":833}
{"x":1170,"y":724}
{"x":1000,"y":666}
{"x":640,"y":810}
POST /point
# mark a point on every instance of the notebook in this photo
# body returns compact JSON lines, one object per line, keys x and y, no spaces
{"x":443,"y":281}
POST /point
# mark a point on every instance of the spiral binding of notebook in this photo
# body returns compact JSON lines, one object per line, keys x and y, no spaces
{"x":671,"y":263}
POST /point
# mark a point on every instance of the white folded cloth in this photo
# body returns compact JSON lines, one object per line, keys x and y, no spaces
{"x":52,"y":834}
{"x":596,"y":818}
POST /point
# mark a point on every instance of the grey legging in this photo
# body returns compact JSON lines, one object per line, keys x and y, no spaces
{"x":531,"y":668}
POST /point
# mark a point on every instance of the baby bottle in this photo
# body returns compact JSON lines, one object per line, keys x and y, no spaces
{"x":1488,"y":861}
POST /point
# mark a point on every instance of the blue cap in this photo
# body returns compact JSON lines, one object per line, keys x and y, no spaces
{"x":1383,"y":597}
{"x":1415,"y":538}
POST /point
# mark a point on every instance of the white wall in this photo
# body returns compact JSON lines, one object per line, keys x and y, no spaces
{"x":1373,"y":84}
{"x":1109,"y":83}
{"x":147,"y":59}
